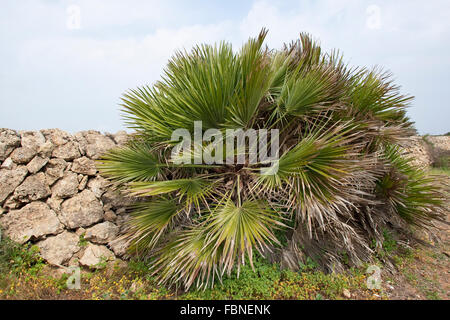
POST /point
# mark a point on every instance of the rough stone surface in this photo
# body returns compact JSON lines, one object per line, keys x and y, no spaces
{"x":82,"y":210}
{"x":9,"y":140}
{"x":83,"y":183}
{"x":85,"y":166}
{"x":122,"y":221}
{"x":32,"y":139}
{"x":102,"y":232}
{"x":12,"y":203}
{"x":33,"y":188}
{"x":54,"y":203}
{"x":67,"y":186}
{"x":68,"y":151}
{"x":95,"y":254}
{"x":121,"y":210}
{"x":441,"y":149}
{"x":419,"y":152}
{"x":116,"y":199}
{"x":110,"y":216}
{"x":121,"y":137}
{"x":8,"y":164}
{"x":9,"y":180}
{"x":80,"y":231}
{"x":59,"y":249}
{"x":119,"y":246}
{"x":93,"y":143}
{"x":98,"y":186}
{"x":49,"y":184}
{"x":58,"y":137}
{"x":37,"y":164}
{"x":23,"y":155}
{"x":54,"y":170}
{"x":33,"y":221}
{"x":46,"y":149}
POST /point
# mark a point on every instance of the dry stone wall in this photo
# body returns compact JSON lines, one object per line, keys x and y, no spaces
{"x":421,"y":152}
{"x":429,"y":150}
{"x":52,"y":195}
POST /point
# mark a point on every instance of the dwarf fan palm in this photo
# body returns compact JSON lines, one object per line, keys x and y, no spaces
{"x":339,"y":181}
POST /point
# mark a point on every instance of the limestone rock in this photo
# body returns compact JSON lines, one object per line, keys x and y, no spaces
{"x":116,"y":199}
{"x":440,"y":149}
{"x":59,"y":249}
{"x":110,"y":216}
{"x":45,"y":150}
{"x":102,"y":232}
{"x":55,"y":170}
{"x":9,"y":180}
{"x":33,"y":188}
{"x":23,"y":155}
{"x":419,"y":152}
{"x":80,"y":232}
{"x":93,"y":143}
{"x":12,"y":203}
{"x":32,"y":139}
{"x":83,"y":210}
{"x":54,"y":203}
{"x":73,"y":262}
{"x":35,"y":220}
{"x":83,"y":183}
{"x":9,"y":140}
{"x":68,"y":151}
{"x":8,"y":164}
{"x":122,"y":222}
{"x":121,"y":211}
{"x":98,"y":186}
{"x":95,"y":254}
{"x":67,"y":186}
{"x":85,"y":166}
{"x":119,"y":246}
{"x":37,"y":164}
{"x":58,"y":137}
{"x":121,"y":137}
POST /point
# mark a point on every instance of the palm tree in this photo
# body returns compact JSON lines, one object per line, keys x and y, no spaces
{"x":341,"y":178}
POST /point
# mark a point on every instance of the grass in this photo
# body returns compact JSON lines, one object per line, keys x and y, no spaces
{"x":421,"y":270}
{"x":16,"y":258}
{"x":25,"y":276}
{"x":440,"y":171}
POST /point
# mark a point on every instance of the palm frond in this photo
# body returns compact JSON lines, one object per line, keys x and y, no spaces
{"x":417,"y":197}
{"x":137,"y":161}
{"x":149,"y":220}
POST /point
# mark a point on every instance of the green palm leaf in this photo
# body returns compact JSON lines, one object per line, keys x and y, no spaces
{"x":135,"y":162}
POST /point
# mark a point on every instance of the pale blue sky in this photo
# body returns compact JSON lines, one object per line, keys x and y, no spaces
{"x":54,"y":74}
